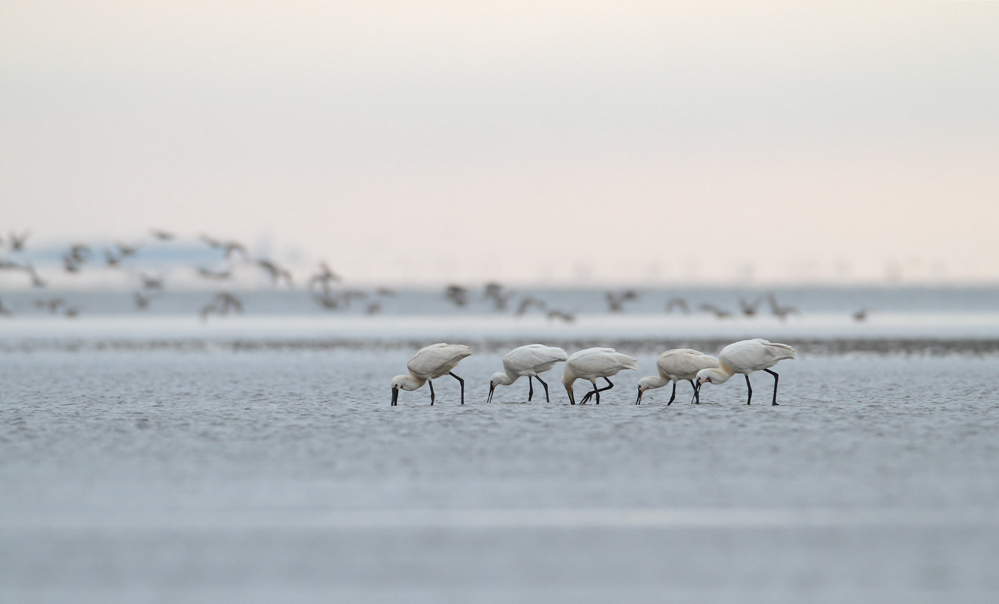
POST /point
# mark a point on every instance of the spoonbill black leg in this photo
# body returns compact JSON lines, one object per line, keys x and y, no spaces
{"x":590,"y":394}
{"x":750,"y":386}
{"x":530,"y":393}
{"x":597,"y":391}
{"x":672,"y":396}
{"x":697,"y":391}
{"x":462,"y":382}
{"x":546,"y":388}
{"x":431,"y":384}
{"x":776,"y":377}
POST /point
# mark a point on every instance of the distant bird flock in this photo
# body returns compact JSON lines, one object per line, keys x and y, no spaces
{"x":325,"y":287}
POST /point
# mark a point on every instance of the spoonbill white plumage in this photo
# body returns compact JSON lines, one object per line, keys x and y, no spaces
{"x":745,"y":357}
{"x":428,"y":363}
{"x":527,"y":360}
{"x":593,"y":363}
{"x":674,"y":366}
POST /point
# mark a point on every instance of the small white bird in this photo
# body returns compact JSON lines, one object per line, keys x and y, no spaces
{"x":591,"y":364}
{"x":674,"y":366}
{"x":527,"y":360}
{"x":428,"y":363}
{"x":745,"y":357}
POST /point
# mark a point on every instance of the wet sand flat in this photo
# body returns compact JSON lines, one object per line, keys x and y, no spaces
{"x":255,"y":475}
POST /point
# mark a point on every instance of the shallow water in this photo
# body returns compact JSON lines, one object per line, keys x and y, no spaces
{"x":234,"y":475}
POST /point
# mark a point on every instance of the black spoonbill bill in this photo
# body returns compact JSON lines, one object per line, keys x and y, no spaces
{"x":674,"y":366}
{"x":527,"y":360}
{"x":591,"y":364}
{"x":428,"y":363}
{"x":745,"y":357}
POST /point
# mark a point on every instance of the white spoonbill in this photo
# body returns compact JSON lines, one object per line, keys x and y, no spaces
{"x":428,"y":363}
{"x":674,"y":366}
{"x":591,"y":364}
{"x":527,"y":360}
{"x":745,"y":357}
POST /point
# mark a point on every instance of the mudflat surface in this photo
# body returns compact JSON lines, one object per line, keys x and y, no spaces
{"x":242,"y":476}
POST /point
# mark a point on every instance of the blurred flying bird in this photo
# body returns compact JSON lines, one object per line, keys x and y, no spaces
{"x":17,"y":241}
{"x":385,"y":291}
{"x":79,"y":252}
{"x":615,"y":301}
{"x":749,"y":309}
{"x":126,"y":250}
{"x":36,"y":280}
{"x":334,"y":301}
{"x":276,"y":272}
{"x":566,"y":317}
{"x":151,"y":282}
{"x":860,"y":315}
{"x":110,"y":259}
{"x":142,"y":302}
{"x":373,"y":309}
{"x":71,"y":266}
{"x":221,"y":304}
{"x":494,"y":292}
{"x":73,"y":312}
{"x":52,"y":305}
{"x":677,"y":303}
{"x":719,"y":313}
{"x":207,"y":273}
{"x":527,"y":302}
{"x":327,"y":300}
{"x":161,"y":235}
{"x":324,"y":277}
{"x":456,"y":294}
{"x":228,"y":247}
{"x":781,"y":312}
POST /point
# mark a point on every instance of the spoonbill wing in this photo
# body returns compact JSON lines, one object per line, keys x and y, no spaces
{"x":590,"y":351}
{"x":685,"y":362}
{"x":437,"y":359}
{"x":756,"y":354}
{"x":532,"y":357}
{"x":607,"y":362}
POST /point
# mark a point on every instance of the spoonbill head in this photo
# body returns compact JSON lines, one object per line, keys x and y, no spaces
{"x":681,"y":364}
{"x":428,"y":363}
{"x":527,"y":361}
{"x":404,"y":382}
{"x":745,"y":357}
{"x":593,"y":363}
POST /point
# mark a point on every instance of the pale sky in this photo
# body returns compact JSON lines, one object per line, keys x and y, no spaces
{"x":556,"y":142}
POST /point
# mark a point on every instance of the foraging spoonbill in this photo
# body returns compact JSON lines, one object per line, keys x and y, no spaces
{"x":428,"y":363}
{"x":674,"y":366}
{"x":745,"y":357}
{"x":527,"y":360}
{"x":591,"y":364}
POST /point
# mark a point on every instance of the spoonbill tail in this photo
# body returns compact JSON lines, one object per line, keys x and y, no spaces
{"x":527,"y":360}
{"x":591,"y":364}
{"x":745,"y":357}
{"x":674,"y":366}
{"x":428,"y":363}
